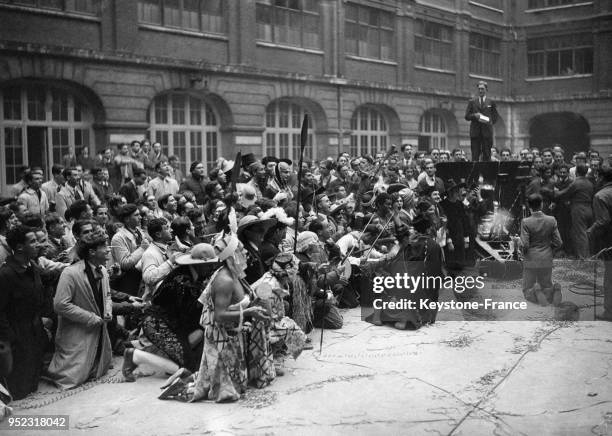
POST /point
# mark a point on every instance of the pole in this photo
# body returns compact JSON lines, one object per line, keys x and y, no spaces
{"x":303,"y":141}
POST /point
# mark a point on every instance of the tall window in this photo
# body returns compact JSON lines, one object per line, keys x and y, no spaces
{"x":485,"y":55}
{"x":39,"y":125}
{"x":566,"y":55}
{"x":433,"y":45}
{"x":187,"y":127}
{"x":369,"y":132}
{"x":196,"y":15}
{"x":537,"y":4}
{"x":369,"y":32}
{"x":283,"y":127}
{"x":433,"y":131}
{"x":289,"y":22}
{"x":89,"y":7}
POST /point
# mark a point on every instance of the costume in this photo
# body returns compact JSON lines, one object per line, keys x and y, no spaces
{"x":481,"y":133}
{"x":421,"y":256}
{"x":174,"y":314}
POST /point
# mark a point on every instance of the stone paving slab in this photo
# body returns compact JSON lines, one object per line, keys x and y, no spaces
{"x":452,"y":378}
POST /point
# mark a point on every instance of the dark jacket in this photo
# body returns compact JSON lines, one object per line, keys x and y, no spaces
{"x":488,"y":109}
{"x":600,"y":234}
{"x":22,"y":303}
{"x":195,"y":186}
{"x":539,"y":236}
{"x":129,"y":191}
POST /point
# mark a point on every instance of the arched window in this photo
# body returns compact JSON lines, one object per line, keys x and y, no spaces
{"x":369,"y":132}
{"x":40,"y":124}
{"x":283,"y":128}
{"x":433,"y":132}
{"x":186,"y":127}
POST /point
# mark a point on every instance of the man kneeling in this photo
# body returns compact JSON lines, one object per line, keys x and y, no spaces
{"x":539,"y":237}
{"x":82,"y":345}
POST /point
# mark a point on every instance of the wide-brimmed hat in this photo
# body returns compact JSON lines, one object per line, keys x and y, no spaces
{"x":395,"y":187}
{"x":250,"y":221}
{"x":227,"y":165}
{"x":200,"y":254}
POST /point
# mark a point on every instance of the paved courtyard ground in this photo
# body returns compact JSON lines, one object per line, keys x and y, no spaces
{"x":459,"y":376}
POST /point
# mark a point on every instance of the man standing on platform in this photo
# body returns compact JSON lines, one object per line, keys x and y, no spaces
{"x":482,"y":114}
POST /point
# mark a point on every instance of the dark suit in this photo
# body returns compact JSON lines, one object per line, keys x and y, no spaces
{"x":103,"y":192}
{"x":600,"y":237}
{"x":539,"y":236}
{"x":481,"y":134}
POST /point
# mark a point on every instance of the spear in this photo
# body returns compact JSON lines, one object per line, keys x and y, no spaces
{"x":303,"y":141}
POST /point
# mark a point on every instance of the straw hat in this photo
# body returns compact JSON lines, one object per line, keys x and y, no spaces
{"x":200,"y":254}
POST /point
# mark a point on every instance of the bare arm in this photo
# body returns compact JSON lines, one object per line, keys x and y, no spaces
{"x":223,"y":288}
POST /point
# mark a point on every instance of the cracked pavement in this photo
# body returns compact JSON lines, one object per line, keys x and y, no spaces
{"x":451,"y":378}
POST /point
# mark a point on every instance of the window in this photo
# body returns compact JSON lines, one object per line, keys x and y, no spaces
{"x":432,"y":131}
{"x":289,"y":22}
{"x":196,"y":15}
{"x":369,"y":32}
{"x":537,"y":4}
{"x":433,"y":45}
{"x":566,"y":55}
{"x":495,"y":4}
{"x":187,"y":127}
{"x":89,"y":7}
{"x":283,"y":127}
{"x":369,"y":132}
{"x":485,"y":55}
{"x":40,"y":125}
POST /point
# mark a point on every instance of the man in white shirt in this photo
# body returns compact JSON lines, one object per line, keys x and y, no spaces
{"x":163,"y":184}
{"x":33,"y":197}
{"x":157,"y":260}
{"x":53,"y":186}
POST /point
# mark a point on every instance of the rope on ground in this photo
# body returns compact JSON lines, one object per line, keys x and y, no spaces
{"x":35,"y":402}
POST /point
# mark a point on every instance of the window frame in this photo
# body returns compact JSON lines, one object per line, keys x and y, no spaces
{"x":65,"y":6}
{"x":168,"y":132}
{"x":487,"y":55}
{"x":294,"y":117}
{"x":438,"y":138}
{"x":305,"y":12}
{"x":550,"y":46}
{"x":365,"y":137}
{"x":71,"y":127}
{"x":361,"y":25}
{"x":421,"y":38}
{"x":163,"y":8}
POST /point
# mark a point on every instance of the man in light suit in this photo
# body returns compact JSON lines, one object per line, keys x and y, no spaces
{"x":157,"y":260}
{"x":481,"y":129}
{"x":82,"y":303}
{"x":539,"y":238}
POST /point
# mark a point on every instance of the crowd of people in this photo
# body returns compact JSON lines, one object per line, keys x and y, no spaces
{"x":207,"y":276}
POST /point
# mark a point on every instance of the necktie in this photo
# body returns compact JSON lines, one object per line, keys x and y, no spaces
{"x":38,"y":194}
{"x":480,"y":101}
{"x":138,"y":237}
{"x":77,"y":194}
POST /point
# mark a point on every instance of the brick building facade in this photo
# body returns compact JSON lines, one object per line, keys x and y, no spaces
{"x":209,"y":77}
